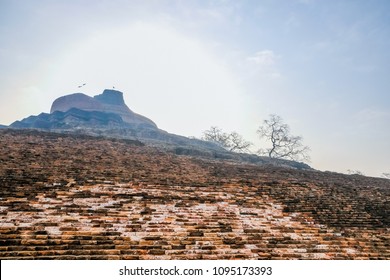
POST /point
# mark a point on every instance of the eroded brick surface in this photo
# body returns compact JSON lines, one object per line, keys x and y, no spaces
{"x":65,"y":197}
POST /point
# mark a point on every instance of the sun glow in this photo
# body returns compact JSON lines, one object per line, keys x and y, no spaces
{"x":164,"y":75}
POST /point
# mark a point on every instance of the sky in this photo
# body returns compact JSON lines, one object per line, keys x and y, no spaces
{"x":323,"y":66}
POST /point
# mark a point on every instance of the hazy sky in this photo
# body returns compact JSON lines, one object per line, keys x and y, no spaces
{"x":322,"y":65}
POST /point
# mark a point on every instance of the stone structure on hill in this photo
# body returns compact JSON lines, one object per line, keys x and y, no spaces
{"x":110,"y":101}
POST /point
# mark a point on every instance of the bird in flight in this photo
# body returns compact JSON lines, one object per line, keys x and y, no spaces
{"x":82,"y":85}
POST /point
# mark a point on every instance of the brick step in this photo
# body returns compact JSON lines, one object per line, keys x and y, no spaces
{"x":65,"y":257}
{"x":36,"y":248}
{"x":72,"y":252}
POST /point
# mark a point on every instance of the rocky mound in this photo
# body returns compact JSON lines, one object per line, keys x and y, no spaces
{"x":82,"y":197}
{"x":110,"y":101}
{"x":70,"y":119}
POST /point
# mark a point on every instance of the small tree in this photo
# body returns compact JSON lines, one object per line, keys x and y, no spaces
{"x":237,"y":143}
{"x":216,"y":135}
{"x":354,"y":172}
{"x":283,"y":145}
{"x":233,"y":141}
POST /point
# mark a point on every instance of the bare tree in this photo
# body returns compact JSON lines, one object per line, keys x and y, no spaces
{"x":233,"y":141}
{"x":354,"y":172}
{"x":216,"y":135}
{"x":237,"y":143}
{"x":283,"y":145}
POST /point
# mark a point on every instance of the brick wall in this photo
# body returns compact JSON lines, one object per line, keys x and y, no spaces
{"x":65,"y":197}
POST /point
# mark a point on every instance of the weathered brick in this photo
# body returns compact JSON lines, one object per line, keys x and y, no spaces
{"x":98,"y":199}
